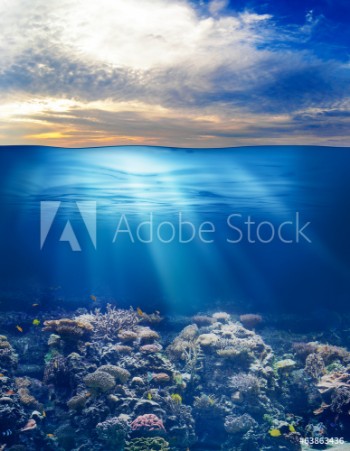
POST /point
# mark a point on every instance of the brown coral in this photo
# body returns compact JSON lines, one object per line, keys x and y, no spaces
{"x":69,"y":329}
{"x":250,"y":320}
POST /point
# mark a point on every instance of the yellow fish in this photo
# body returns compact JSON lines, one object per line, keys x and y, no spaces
{"x":275,"y":432}
{"x":44,"y":414}
{"x":291,"y":428}
{"x":2,"y":375}
{"x":139,"y":311}
{"x":36,"y":322}
{"x":149,"y":396}
{"x":19,"y":328}
{"x":51,"y":435}
{"x":93,"y":297}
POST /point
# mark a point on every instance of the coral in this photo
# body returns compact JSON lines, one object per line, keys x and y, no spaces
{"x":120,"y":374}
{"x":250,"y":320}
{"x":238,"y":355}
{"x":26,"y":398}
{"x":189,"y":333}
{"x":329,"y":353}
{"x":147,"y":334}
{"x":235,"y":424}
{"x":69,"y":329}
{"x":302,"y":349}
{"x":147,"y":422}
{"x":331,"y":382}
{"x":113,"y":431}
{"x":204,"y":402}
{"x":78,"y":402}
{"x":57,"y":371}
{"x":147,"y":444}
{"x":207,"y":340}
{"x":340,"y":403}
{"x":100,"y":381}
{"x":8,"y":357}
{"x":127,"y":335}
{"x":314,"y":366}
{"x":285,"y":365}
{"x":245,"y":383}
{"x":12,"y":415}
{"x":122,"y":349}
{"x":137,"y":381}
{"x":221,"y":317}
{"x":203,"y":320}
{"x":151,"y":349}
{"x":107,"y":325}
{"x":160,"y":377}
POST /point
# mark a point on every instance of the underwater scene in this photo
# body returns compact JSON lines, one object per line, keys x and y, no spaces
{"x":174,"y":299}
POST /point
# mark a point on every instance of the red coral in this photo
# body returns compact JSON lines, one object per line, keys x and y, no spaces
{"x":147,"y":422}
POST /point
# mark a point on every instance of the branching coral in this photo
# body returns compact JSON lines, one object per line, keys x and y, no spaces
{"x":107,"y":325}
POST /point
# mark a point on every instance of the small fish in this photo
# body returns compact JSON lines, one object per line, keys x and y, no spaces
{"x":149,"y":396}
{"x":139,"y":311}
{"x":36,"y":322}
{"x":275,"y":432}
{"x":10,"y":393}
{"x":19,"y":328}
{"x":158,"y":313}
{"x":2,"y":375}
{"x":87,"y":395}
{"x":35,"y":305}
{"x":44,"y":414}
{"x":93,"y":297}
{"x":50,"y":435}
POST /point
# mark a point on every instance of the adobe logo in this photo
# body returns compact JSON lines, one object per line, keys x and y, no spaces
{"x":48,"y":213}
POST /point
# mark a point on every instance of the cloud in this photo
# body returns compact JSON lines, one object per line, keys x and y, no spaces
{"x":161,"y":71}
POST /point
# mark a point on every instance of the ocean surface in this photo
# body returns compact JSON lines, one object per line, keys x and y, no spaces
{"x":246,"y":265}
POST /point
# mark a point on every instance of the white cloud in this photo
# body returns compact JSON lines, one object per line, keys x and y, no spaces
{"x":136,"y":34}
{"x":216,"y":6}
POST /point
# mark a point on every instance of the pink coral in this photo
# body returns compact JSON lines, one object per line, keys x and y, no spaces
{"x":148,"y":422}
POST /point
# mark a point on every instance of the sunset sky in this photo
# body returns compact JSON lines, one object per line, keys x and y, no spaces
{"x":181,"y":73}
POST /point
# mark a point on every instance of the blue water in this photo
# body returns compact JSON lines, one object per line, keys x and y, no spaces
{"x":268,"y":184}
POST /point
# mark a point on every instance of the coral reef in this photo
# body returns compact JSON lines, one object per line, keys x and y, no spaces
{"x":119,"y":379}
